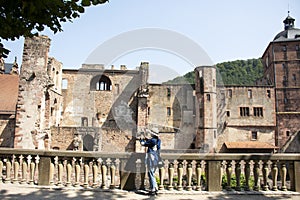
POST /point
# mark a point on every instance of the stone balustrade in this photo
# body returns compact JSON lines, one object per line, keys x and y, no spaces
{"x":127,"y":171}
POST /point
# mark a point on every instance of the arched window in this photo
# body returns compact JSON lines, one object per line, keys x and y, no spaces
{"x":104,"y":83}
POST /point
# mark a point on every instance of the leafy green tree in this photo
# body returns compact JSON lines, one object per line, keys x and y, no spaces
{"x":28,"y":17}
{"x":238,"y":72}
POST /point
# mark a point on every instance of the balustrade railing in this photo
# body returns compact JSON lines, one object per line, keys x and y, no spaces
{"x":187,"y":171}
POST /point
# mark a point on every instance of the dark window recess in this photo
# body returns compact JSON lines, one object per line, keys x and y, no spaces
{"x":244,"y":111}
{"x":258,"y":111}
{"x":254,"y":135}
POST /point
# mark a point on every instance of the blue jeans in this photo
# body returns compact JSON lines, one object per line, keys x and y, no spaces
{"x":152,"y":180}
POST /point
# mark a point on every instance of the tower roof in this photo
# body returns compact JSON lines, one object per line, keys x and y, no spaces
{"x":290,"y":32}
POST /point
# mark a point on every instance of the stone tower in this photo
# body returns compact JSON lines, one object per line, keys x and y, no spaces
{"x":206,"y":108}
{"x":33,"y":92}
{"x":281,"y":61}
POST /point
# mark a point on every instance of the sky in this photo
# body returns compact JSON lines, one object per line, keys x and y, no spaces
{"x":225,"y":30}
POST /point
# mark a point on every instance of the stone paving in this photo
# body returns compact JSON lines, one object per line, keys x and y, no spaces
{"x":26,"y":192}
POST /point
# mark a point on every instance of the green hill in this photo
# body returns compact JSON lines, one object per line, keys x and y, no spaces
{"x":238,"y":72}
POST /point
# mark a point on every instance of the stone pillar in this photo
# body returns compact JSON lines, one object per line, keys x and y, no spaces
{"x":44,"y":171}
{"x":213,"y":176}
{"x":297,"y":175}
{"x":32,"y":87}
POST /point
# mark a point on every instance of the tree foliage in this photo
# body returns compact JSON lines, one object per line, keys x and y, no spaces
{"x":28,"y":17}
{"x":238,"y":72}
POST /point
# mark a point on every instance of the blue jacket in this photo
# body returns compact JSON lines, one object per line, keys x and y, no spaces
{"x":153,"y":151}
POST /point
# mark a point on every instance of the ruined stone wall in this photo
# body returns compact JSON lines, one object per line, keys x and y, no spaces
{"x":33,"y":84}
{"x":62,"y":138}
{"x":171,"y":109}
{"x":113,"y":110}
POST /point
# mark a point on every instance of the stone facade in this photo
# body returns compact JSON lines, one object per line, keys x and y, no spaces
{"x":281,"y":62}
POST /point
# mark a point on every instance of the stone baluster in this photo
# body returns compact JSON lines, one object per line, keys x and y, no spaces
{"x":180,"y":175}
{"x":247,"y":175}
{"x":238,"y":175}
{"x":86,"y":171}
{"x":228,"y":175}
{"x":283,"y":176}
{"x":198,"y":176}
{"x":95,"y":173}
{"x":77,"y":173}
{"x":112,"y":175}
{"x":265,"y":171}
{"x":16,"y":170}
{"x":292,"y":175}
{"x":1,"y":168}
{"x":31,"y":172}
{"x":69,"y":174}
{"x":51,"y":173}
{"x":104,"y":176}
{"x":24,"y":170}
{"x":256,"y":175}
{"x":60,"y":173}
{"x":171,"y":175}
{"x":161,"y":178}
{"x":274,"y":175}
{"x":8,"y":171}
{"x":189,"y":176}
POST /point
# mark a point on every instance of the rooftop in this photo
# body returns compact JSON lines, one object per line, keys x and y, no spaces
{"x":9,"y":87}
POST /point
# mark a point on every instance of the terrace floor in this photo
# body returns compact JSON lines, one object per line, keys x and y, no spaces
{"x":18,"y":191}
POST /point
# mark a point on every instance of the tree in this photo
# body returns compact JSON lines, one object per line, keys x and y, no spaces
{"x":28,"y":17}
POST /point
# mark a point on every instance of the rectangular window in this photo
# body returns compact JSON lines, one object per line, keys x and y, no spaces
{"x":269,"y":93}
{"x":230,"y":93}
{"x":250,"y":94}
{"x":168,"y":111}
{"x":208,"y":97}
{"x":294,"y":77}
{"x":287,"y":133}
{"x":168,"y":92}
{"x":284,"y":48}
{"x":148,"y":110}
{"x":228,"y":113}
{"x":64,"y":84}
{"x":258,"y":111}
{"x":244,"y":111}
{"x":84,"y":121}
{"x":254,"y":135}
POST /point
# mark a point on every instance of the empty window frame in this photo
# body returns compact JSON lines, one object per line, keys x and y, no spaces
{"x":168,"y":92}
{"x":104,"y":84}
{"x":208,"y":97}
{"x":244,"y":111}
{"x":284,"y":48}
{"x":249,"y":94}
{"x":64,"y":84}
{"x":84,"y":121}
{"x":269,"y":93}
{"x":228,"y":113}
{"x":168,"y":111}
{"x":253,"y":135}
{"x":229,"y":93}
{"x":258,"y":112}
